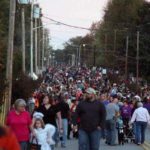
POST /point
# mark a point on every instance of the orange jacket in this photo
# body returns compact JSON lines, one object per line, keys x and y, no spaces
{"x":9,"y":141}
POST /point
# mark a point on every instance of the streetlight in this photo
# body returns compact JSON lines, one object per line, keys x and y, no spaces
{"x":23,"y":3}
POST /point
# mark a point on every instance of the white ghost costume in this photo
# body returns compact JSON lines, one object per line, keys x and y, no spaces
{"x":44,"y":135}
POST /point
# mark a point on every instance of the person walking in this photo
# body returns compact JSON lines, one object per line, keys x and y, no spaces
{"x":51,"y":112}
{"x":19,"y":120}
{"x":142,"y":118}
{"x":8,"y":140}
{"x":65,"y":111}
{"x":125,"y":112}
{"x":92,"y":116}
{"x":112,"y":110}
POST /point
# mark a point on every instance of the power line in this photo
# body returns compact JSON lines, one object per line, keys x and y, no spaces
{"x":62,"y":23}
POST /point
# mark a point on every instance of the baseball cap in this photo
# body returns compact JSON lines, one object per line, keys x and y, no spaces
{"x":90,"y":91}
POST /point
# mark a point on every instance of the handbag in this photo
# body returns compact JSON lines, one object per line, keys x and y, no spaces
{"x":34,"y":146}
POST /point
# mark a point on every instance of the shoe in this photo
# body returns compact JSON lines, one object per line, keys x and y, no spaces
{"x":56,"y":144}
{"x":138,"y":143}
{"x":112,"y":144}
{"x":63,"y":146}
{"x":107,"y":143}
{"x":52,"y":142}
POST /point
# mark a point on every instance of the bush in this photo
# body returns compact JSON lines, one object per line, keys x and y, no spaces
{"x":24,"y":86}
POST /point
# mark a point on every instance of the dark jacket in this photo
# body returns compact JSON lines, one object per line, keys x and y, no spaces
{"x":92,"y":115}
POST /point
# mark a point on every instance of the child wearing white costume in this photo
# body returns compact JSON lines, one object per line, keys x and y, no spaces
{"x":43,"y":133}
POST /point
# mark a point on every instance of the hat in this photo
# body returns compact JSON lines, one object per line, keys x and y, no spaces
{"x":79,"y":89}
{"x":114,"y":96}
{"x":90,"y":91}
{"x":114,"y":84}
{"x":79,"y":81}
{"x":66,"y":93}
{"x":119,"y":94}
{"x":138,"y":98}
{"x":73,"y":98}
{"x":38,"y":115}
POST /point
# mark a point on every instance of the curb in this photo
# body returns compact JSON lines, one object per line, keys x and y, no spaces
{"x":146,"y":146}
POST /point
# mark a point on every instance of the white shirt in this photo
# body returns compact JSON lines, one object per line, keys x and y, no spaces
{"x":140,"y":114}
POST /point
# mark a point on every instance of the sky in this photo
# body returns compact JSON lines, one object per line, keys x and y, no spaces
{"x":74,"y":12}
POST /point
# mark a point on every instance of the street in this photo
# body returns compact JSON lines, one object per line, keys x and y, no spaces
{"x":73,"y":145}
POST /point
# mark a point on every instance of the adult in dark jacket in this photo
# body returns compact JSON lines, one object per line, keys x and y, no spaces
{"x":92,"y":116}
{"x":65,"y":110}
{"x":51,"y":113}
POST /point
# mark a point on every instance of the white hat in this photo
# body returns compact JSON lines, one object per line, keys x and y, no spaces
{"x":79,"y":81}
{"x":79,"y":89}
{"x":138,"y":98}
{"x":38,"y":115}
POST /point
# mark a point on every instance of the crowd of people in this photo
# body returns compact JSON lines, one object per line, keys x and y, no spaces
{"x":81,"y":103}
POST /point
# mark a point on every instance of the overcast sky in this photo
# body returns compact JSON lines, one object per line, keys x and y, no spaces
{"x":73,"y":12}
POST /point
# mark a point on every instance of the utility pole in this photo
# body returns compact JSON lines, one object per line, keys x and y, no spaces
{"x":36,"y":68}
{"x":39,"y":45}
{"x":23,"y":39}
{"x":79,"y":57}
{"x":137,"y":60}
{"x":83,"y":54}
{"x":9,"y":67}
{"x":31,"y":40}
{"x":43,"y":47}
{"x":73,"y":60}
{"x":105,"y":48}
{"x":94,"y":56}
{"x":48,"y":51}
{"x":36,"y":16}
{"x":106,"y":42}
{"x":126,"y":58}
{"x":115,"y":39}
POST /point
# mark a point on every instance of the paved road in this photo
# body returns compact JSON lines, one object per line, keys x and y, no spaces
{"x":73,"y":145}
{"x":148,"y":134}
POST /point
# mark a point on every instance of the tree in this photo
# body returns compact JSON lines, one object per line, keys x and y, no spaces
{"x":4,"y":24}
{"x":4,"y":13}
{"x":122,"y":18}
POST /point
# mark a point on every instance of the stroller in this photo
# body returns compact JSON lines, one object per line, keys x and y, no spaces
{"x":129,"y":134}
{"x":120,"y":129}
